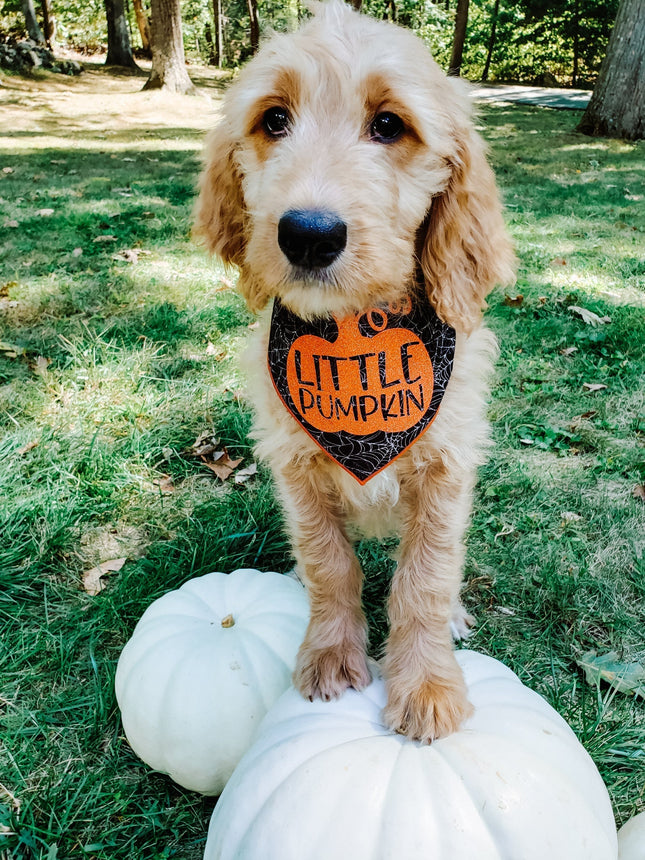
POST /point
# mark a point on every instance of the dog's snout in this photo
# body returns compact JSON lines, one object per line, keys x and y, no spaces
{"x":311,"y":239}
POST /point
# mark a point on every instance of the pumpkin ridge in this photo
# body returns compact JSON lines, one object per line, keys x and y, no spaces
{"x":250,"y":662}
{"x":550,"y":774}
{"x":477,"y":808}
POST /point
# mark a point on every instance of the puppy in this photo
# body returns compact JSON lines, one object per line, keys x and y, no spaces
{"x":346,"y":182}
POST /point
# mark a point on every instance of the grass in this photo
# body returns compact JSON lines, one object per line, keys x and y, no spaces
{"x":110,"y":369}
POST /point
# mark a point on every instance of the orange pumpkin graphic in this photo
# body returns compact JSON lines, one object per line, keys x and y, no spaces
{"x":361,"y":384}
{"x":365,"y":387}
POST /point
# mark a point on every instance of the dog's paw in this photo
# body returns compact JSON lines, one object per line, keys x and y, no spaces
{"x":461,"y":623}
{"x":429,"y":711}
{"x":326,"y":673}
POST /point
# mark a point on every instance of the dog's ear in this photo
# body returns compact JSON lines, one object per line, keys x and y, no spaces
{"x":219,"y":216}
{"x":466,"y":251}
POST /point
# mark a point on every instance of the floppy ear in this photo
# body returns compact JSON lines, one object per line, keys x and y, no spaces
{"x":466,"y":250}
{"x":219,"y":216}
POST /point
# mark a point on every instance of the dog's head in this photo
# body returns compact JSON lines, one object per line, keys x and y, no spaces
{"x":345,"y":161}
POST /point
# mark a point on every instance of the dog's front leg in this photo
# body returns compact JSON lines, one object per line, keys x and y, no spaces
{"x":332,"y":655}
{"x":426,"y":689}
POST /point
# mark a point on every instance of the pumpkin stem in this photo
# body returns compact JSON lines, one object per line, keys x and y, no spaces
{"x":228,"y":621}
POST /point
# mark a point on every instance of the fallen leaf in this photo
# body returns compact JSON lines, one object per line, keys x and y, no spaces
{"x":243,"y":475}
{"x":218,"y":352}
{"x":130,"y":255}
{"x":28,"y":447}
{"x":106,"y":238}
{"x":94,"y":579}
{"x":569,"y":517}
{"x":222,"y":465}
{"x":514,"y":301}
{"x":204,"y":445}
{"x":639,"y":492}
{"x":589,"y":317}
{"x":7,"y":170}
{"x":593,"y":386}
{"x":558,"y":261}
{"x":624,"y":677}
{"x":10,"y":350}
{"x":12,"y":223}
{"x":44,"y":213}
{"x":40,"y":365}
{"x":569,"y":350}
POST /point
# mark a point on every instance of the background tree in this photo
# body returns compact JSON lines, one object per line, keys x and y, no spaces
{"x":254,"y":19}
{"x":31,"y":22}
{"x":49,"y":22}
{"x":617,"y":106}
{"x":459,"y":38}
{"x":119,"y":51}
{"x":143,"y":25}
{"x":219,"y":33}
{"x":491,"y":41}
{"x":168,"y":58}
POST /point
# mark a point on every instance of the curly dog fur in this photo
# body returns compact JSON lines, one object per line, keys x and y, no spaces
{"x":302,"y":129}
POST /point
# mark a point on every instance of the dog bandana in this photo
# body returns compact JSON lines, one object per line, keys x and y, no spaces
{"x":364,"y":387}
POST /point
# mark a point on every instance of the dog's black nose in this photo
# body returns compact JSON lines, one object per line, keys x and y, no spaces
{"x":311,"y":238}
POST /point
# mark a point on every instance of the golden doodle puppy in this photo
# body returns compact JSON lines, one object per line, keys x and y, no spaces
{"x":347,"y":183}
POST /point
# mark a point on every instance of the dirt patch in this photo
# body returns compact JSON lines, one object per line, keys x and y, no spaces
{"x":102,"y":105}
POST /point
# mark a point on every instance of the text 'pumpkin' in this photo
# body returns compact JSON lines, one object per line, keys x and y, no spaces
{"x":364,"y":387}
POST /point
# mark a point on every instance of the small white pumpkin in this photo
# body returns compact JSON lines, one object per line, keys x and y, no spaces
{"x":328,"y":780}
{"x":631,"y":839}
{"x":203,"y":666}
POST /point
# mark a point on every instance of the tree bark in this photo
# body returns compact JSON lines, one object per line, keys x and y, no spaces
{"x":31,"y":22}
{"x":491,"y":41}
{"x":461,"y":22}
{"x":119,"y":49}
{"x":49,"y":22}
{"x":617,"y":105}
{"x":143,"y":24}
{"x":168,"y":59}
{"x":252,"y":6}
{"x":219,"y":33}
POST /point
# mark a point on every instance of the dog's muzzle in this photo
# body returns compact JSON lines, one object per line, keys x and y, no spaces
{"x":311,"y":238}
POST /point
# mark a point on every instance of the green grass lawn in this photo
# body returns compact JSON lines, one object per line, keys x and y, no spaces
{"x":119,"y":346}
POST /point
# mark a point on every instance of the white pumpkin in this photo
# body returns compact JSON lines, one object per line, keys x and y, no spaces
{"x":328,"y":780}
{"x":631,"y":839}
{"x":203,"y":666}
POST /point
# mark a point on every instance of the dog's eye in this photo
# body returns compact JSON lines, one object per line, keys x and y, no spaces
{"x":276,"y":121}
{"x":386,"y":127}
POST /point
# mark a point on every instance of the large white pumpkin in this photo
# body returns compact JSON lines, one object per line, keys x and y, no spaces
{"x":631,"y":839}
{"x":328,"y":780}
{"x":203,"y":666}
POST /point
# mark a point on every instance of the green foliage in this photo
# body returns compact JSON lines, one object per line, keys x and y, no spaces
{"x":533,"y":36}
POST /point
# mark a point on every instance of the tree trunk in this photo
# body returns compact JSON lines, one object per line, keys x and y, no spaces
{"x":252,"y":6}
{"x":576,"y":43}
{"x":31,"y":22}
{"x":143,"y":23}
{"x":168,"y":60}
{"x":617,"y":105}
{"x":119,"y":49}
{"x":219,"y":33}
{"x":491,"y":41}
{"x":49,"y":23}
{"x":461,"y":22}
